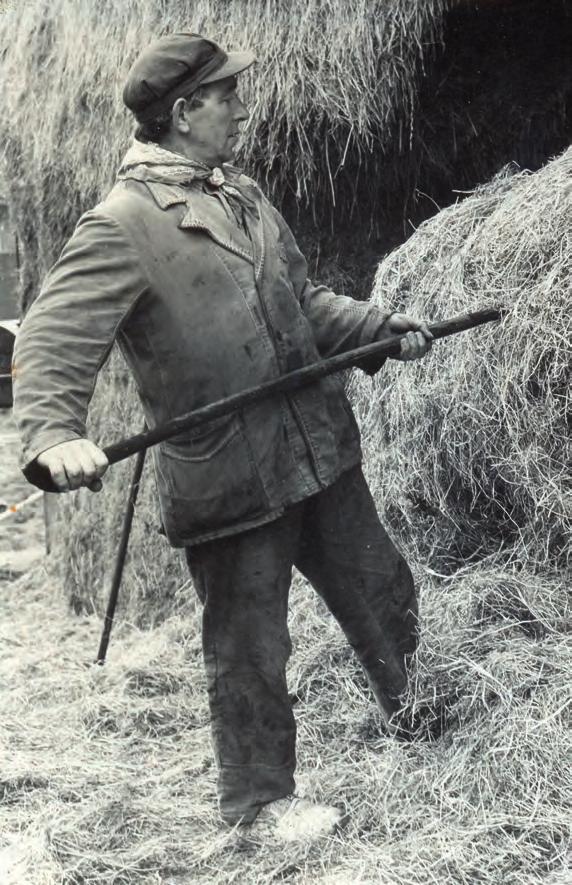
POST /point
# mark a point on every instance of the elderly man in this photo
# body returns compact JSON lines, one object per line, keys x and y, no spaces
{"x":198,"y":278}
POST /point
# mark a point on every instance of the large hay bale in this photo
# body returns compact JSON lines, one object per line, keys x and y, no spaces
{"x":468,"y":451}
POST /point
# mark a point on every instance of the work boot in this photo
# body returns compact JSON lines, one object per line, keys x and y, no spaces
{"x":293,"y":819}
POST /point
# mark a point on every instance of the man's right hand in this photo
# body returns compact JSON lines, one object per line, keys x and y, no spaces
{"x":75,"y":463}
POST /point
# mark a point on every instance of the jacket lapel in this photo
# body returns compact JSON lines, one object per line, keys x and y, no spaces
{"x":204,"y":213}
{"x":255,"y":216}
{"x":210,"y":217}
{"x":256,"y":228}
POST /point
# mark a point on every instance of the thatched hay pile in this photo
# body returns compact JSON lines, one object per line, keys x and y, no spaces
{"x":468,"y":451}
{"x":320,"y":109}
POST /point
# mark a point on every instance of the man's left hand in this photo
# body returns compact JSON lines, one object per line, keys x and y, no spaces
{"x":418,"y":339}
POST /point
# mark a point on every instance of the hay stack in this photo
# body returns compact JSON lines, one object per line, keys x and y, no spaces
{"x":468,"y":451}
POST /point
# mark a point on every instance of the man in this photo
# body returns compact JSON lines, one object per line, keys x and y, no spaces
{"x":198,"y":278}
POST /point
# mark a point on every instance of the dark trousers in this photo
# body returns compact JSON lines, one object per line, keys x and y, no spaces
{"x":336,"y":540}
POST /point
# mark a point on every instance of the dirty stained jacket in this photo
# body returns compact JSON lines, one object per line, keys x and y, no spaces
{"x":200,"y":309}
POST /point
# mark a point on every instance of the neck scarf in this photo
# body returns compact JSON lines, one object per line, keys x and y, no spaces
{"x":150,"y":162}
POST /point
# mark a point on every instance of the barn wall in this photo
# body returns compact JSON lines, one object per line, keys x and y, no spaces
{"x":500,"y":92}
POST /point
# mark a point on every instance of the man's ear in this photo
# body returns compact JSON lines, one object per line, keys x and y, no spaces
{"x":179,"y":115}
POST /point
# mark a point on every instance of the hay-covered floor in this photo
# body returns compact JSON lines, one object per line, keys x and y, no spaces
{"x":107,"y":777}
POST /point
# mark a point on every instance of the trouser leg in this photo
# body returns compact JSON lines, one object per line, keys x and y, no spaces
{"x":348,"y":557}
{"x":243,"y":582}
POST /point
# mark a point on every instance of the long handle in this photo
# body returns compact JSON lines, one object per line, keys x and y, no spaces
{"x":120,"y":560}
{"x":118,"y":451}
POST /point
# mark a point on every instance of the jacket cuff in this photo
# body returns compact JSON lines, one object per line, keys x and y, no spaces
{"x":375,"y":332}
{"x":46,"y":441}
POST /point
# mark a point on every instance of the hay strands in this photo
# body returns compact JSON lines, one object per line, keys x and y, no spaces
{"x":290,"y":381}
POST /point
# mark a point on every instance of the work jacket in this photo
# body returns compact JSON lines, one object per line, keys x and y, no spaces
{"x":200,"y":309}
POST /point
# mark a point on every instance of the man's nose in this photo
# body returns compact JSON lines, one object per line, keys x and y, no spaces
{"x":241,"y":112}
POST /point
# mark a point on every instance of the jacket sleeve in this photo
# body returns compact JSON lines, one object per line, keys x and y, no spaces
{"x":340,"y":323}
{"x":68,"y":332}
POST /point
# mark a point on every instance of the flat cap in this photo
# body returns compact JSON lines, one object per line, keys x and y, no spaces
{"x":175,"y":66}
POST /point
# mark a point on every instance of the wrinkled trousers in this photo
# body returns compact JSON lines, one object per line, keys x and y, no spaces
{"x":336,"y":540}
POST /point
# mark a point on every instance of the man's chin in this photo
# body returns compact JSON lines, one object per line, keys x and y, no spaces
{"x":228,"y":158}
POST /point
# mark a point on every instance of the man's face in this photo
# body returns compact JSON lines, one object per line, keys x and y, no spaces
{"x":213,"y":127}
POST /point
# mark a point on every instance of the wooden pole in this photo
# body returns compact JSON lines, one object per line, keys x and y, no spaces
{"x":120,"y":559}
{"x":118,"y":451}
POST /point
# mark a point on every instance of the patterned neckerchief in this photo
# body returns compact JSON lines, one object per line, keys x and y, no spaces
{"x":145,"y":161}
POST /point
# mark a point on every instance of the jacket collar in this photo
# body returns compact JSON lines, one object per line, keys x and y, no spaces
{"x":205,"y":213}
{"x":166,"y":195}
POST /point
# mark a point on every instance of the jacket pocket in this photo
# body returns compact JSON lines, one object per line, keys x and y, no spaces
{"x":208,"y":479}
{"x":204,"y":442}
